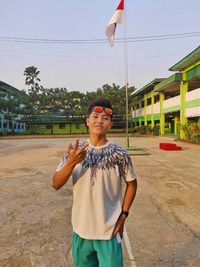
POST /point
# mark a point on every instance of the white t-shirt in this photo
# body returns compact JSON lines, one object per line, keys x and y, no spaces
{"x":97,"y":189}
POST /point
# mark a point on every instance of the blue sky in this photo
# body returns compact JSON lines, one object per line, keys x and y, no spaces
{"x":85,"y":67}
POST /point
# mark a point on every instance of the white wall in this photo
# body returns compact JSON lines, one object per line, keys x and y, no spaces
{"x":193,"y":112}
{"x":140,"y":112}
{"x":194,"y":94}
{"x":156,"y":108}
{"x":171,"y":102}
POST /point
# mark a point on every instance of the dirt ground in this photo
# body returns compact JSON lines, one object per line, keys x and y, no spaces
{"x":164,"y":222}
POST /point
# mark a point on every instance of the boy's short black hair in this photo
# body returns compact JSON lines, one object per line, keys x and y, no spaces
{"x":99,"y":102}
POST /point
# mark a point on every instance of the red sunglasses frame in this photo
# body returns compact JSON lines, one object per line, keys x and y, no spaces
{"x":99,"y":109}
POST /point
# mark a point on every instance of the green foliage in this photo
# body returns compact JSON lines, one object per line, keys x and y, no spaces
{"x":156,"y":130}
{"x":143,"y":130}
{"x":146,"y":130}
{"x":191,"y":130}
{"x":115,"y":93}
{"x":32,"y":79}
{"x":60,"y":101}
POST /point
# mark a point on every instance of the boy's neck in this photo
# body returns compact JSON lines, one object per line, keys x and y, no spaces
{"x":98,"y":140}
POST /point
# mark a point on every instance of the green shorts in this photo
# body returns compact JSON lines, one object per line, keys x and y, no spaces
{"x":96,"y":253}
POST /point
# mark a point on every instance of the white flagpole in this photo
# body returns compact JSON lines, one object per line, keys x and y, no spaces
{"x":126,"y":70}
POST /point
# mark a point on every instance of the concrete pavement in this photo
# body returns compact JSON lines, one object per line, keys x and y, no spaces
{"x":163,"y":226}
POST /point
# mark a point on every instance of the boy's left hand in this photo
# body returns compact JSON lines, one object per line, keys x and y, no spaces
{"x":119,"y":226}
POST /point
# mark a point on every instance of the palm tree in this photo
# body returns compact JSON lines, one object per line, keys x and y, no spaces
{"x":32,"y":79}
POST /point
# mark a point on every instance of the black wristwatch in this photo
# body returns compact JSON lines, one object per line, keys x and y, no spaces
{"x":125,"y":213}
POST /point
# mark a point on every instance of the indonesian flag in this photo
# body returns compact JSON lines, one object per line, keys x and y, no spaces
{"x":117,"y":17}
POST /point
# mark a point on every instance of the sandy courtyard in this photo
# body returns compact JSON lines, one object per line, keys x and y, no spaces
{"x":164,"y":222}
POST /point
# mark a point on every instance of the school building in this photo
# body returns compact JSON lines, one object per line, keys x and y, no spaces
{"x":52,"y":124}
{"x":171,"y":102}
{"x":11,"y":125}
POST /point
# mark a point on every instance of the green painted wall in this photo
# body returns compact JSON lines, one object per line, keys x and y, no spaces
{"x":156,"y":117}
{"x":73,"y":129}
{"x":41,"y":129}
{"x":171,"y":109}
{"x":148,"y":117}
{"x":189,"y":104}
{"x":193,"y":103}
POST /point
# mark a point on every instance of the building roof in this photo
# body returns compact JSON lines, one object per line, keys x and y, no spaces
{"x":187,"y":60}
{"x":169,"y":84}
{"x":7,"y":89}
{"x":148,"y":87}
{"x":50,"y":119}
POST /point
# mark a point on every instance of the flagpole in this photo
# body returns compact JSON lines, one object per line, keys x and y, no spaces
{"x":126,"y":71}
{"x":110,"y":33}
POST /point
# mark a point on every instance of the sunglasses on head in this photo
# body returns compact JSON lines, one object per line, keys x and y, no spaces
{"x":99,"y":109}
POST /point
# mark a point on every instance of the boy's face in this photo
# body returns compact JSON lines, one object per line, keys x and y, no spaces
{"x":99,"y":123}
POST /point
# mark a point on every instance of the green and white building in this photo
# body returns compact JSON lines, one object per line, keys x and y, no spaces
{"x":173,"y":101}
{"x":9,"y":122}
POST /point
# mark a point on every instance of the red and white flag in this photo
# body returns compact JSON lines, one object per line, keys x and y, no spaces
{"x":117,"y":17}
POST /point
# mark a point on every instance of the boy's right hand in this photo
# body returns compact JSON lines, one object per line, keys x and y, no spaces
{"x":76,"y":155}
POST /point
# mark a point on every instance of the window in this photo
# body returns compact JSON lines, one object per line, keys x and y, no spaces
{"x":49,"y":126}
{"x":156,"y":98}
{"x":62,"y":125}
{"x":148,"y":101}
{"x":41,"y":126}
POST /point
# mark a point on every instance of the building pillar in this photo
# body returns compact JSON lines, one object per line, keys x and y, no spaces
{"x":152,"y":109}
{"x":2,"y":119}
{"x":134,"y":116}
{"x":183,"y":118}
{"x":162,"y":115}
{"x":176,"y":125}
{"x":140,"y":121}
{"x":145,"y":110}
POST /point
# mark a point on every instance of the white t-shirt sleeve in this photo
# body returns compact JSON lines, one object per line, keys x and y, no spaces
{"x":62,"y":162}
{"x":130,"y":170}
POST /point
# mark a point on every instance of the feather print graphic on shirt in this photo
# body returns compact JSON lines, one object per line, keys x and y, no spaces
{"x":105,"y":158}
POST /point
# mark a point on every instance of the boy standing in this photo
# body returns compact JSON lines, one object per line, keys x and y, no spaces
{"x":97,"y":167}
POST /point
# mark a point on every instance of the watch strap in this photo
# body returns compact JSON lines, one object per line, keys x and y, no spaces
{"x":125,"y":213}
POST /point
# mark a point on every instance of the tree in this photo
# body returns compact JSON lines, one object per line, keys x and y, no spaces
{"x":32,"y":79}
{"x":116,"y":94}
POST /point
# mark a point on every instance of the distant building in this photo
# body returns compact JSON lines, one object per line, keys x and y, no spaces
{"x":10,"y":123}
{"x":171,"y":101}
{"x":54,"y":124}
